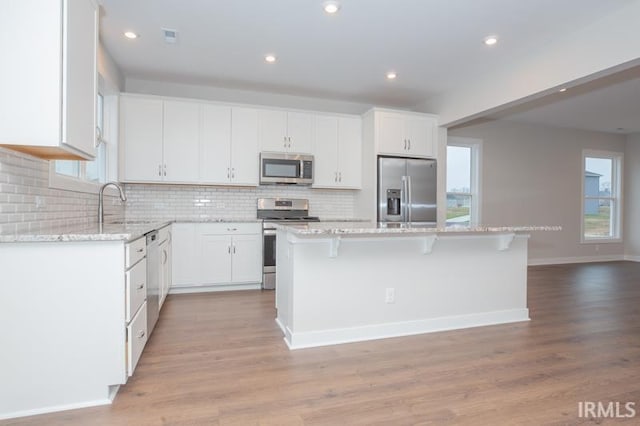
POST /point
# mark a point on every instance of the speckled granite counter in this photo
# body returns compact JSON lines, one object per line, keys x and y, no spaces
{"x":374,"y":228}
{"x":123,"y":231}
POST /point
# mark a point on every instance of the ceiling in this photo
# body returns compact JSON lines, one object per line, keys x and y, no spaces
{"x":433,"y":45}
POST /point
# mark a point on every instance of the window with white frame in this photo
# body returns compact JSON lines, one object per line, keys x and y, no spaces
{"x":463,"y":195}
{"x":87,"y":176}
{"x":601,"y":196}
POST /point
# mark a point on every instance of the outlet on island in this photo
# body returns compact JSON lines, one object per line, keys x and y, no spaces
{"x":390,"y":295}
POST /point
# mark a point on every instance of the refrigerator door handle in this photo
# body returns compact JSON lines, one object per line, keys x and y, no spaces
{"x":409,"y":199}
{"x":403,"y":199}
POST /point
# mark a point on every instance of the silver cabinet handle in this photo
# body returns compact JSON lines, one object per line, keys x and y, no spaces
{"x":233,"y":173}
{"x":159,"y":169}
{"x":409,"y":140}
{"x":141,"y":286}
{"x":335,"y":178}
{"x":232,"y":229}
{"x":284,"y":138}
{"x":234,"y":249}
{"x":340,"y":176}
{"x":228,"y":173}
{"x":166,"y":257}
{"x":165,"y":169}
{"x":141,"y":334}
{"x":140,"y":250}
{"x":229,"y":249}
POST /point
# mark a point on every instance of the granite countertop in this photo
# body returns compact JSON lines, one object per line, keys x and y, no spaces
{"x":119,"y":231}
{"x":375,"y":228}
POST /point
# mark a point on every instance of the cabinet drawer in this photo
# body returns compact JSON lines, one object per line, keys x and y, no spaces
{"x":134,"y":251}
{"x":136,"y":288}
{"x":230,"y":228}
{"x":163,"y":233}
{"x":136,"y":338}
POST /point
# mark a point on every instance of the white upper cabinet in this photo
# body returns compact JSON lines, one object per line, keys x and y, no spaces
{"x":337,"y":150}
{"x":48,"y":78}
{"x":215,"y":144}
{"x":406,"y":134}
{"x":181,"y":134}
{"x":282,"y":131}
{"x":229,"y":145}
{"x":140,"y":139}
{"x":244,"y":146}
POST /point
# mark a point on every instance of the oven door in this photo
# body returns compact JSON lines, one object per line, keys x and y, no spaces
{"x":269,"y":258}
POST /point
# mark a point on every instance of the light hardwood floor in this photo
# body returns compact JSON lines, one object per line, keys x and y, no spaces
{"x":219,"y":359}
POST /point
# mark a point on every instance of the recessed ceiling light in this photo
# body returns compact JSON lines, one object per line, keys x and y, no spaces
{"x":270,"y":58}
{"x":564,"y":89}
{"x":331,"y":6}
{"x":391,"y":75}
{"x":490,"y":40}
{"x":130,"y":34}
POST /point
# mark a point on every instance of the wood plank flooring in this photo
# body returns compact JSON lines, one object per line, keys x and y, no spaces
{"x":219,"y":359}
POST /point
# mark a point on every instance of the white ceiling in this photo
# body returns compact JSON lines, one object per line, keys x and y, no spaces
{"x":433,"y":45}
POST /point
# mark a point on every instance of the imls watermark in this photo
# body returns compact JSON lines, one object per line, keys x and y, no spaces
{"x":611,"y":409}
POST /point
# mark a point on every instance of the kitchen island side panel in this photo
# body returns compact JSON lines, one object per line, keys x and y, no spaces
{"x":465,"y":281}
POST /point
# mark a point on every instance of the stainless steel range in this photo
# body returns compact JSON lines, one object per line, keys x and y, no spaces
{"x":278,"y":210}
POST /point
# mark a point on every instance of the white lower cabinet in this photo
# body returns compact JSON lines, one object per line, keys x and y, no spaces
{"x":164,"y":235}
{"x":136,"y":338}
{"x":217,"y":255}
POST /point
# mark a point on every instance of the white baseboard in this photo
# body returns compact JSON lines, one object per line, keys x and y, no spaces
{"x":632,"y":258}
{"x":214,"y":288}
{"x":579,"y":259}
{"x":54,"y":409}
{"x":405,"y":328}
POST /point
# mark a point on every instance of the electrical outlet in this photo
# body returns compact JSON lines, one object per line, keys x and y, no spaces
{"x":390,"y":295}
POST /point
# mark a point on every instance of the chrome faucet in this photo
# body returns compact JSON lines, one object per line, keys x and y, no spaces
{"x":101,"y":201}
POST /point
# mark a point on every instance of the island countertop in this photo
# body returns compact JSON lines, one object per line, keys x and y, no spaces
{"x":359,"y":228}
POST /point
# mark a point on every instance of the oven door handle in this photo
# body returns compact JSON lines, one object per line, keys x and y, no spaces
{"x":269,"y":232}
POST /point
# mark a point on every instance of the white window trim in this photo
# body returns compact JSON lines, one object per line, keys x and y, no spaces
{"x":616,"y":177}
{"x":476,"y":171}
{"x":110,"y":136}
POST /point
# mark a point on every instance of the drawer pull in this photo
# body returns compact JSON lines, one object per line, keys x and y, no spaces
{"x":232,"y":229}
{"x":140,"y":250}
{"x":141,"y":286}
{"x":141,"y":335}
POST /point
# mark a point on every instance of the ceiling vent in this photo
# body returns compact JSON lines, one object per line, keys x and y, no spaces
{"x":170,"y":36}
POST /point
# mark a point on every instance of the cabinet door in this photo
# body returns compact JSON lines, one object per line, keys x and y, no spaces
{"x":272,"y":128}
{"x":246,"y":263}
{"x":325,"y":152}
{"x":184,"y":259}
{"x":244,"y":146}
{"x":299,"y":132}
{"x":349,"y":156}
{"x":215,"y":144}
{"x":181,"y":134}
{"x":420,"y":136}
{"x":164,"y":272}
{"x":141,"y":138}
{"x":215,"y":259}
{"x":80,"y":75}
{"x":391,"y":139}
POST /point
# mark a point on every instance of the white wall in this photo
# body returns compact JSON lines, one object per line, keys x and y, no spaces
{"x":531,"y":175}
{"x":163,"y":88}
{"x":632,"y":197}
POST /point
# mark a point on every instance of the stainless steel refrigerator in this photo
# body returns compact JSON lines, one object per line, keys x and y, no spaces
{"x":407,"y":190}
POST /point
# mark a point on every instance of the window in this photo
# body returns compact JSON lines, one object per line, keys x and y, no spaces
{"x":86,"y":176}
{"x":463,"y":156}
{"x":601,"y":193}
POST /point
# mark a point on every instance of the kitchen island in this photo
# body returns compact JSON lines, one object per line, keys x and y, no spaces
{"x":348,"y":282}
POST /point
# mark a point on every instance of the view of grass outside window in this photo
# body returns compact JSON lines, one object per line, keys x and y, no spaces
{"x":459,"y":184}
{"x":91,"y":171}
{"x":601,"y":197}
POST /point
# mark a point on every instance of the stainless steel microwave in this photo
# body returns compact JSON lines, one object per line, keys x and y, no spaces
{"x":281,"y":168}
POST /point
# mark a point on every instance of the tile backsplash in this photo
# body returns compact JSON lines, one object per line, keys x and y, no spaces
{"x":27,"y":204}
{"x":151,"y":202}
